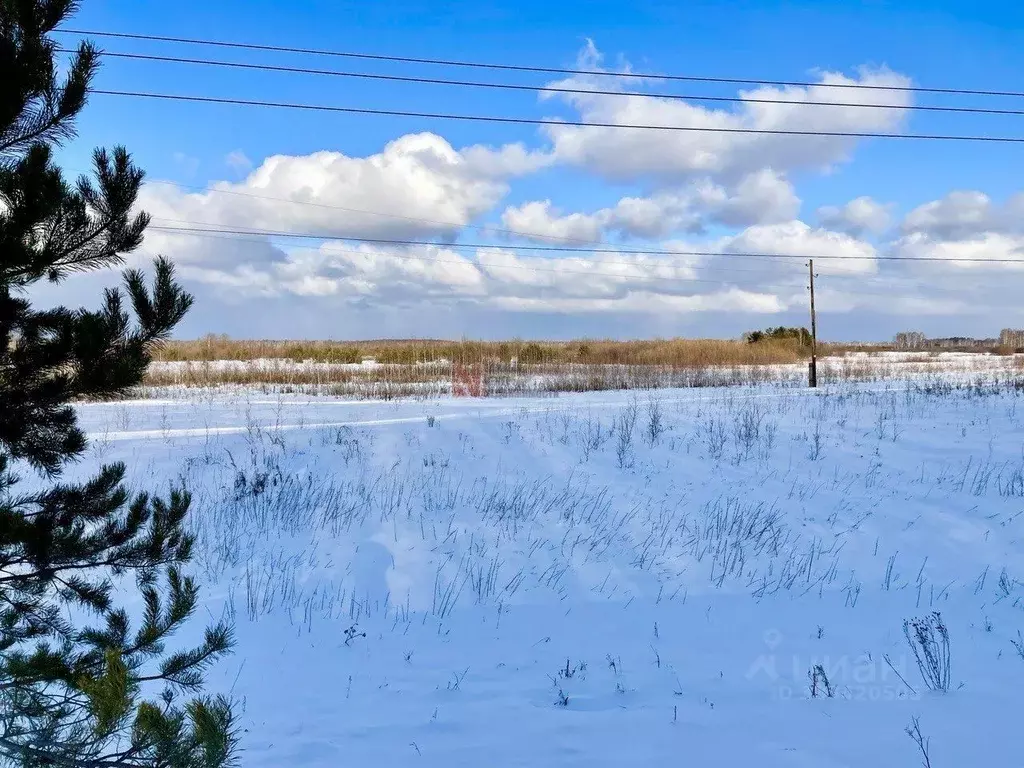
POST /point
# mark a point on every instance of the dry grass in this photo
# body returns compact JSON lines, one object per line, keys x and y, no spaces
{"x":494,"y":379}
{"x":670,"y":352}
{"x":430,"y":368}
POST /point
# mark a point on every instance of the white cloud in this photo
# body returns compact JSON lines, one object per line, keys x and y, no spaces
{"x":762,"y":197}
{"x":656,"y":216}
{"x":493,"y":278}
{"x":965,"y":225}
{"x":902,"y":302}
{"x":840,"y":253}
{"x":238,"y":162}
{"x":680,"y":185}
{"x":539,"y":220}
{"x":860,"y":216}
{"x":670,"y":155}
{"x":959,"y":214}
{"x":732,"y":300}
{"x":506,"y":161}
{"x":417,"y":186}
{"x":959,"y":252}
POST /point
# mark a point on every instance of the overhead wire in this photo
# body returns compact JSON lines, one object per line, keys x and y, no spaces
{"x":976,"y":138}
{"x":481,"y":227}
{"x":596,"y":273}
{"x":223,"y":232}
{"x":192,"y":227}
{"x":484,"y":229}
{"x":539,"y":69}
{"x":552,"y":88}
{"x":763,"y":287}
{"x":620,"y":251}
{"x":200,"y":226}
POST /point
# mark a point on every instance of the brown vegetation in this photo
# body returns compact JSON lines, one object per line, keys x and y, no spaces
{"x":671,"y":352}
{"x":409,"y":367}
{"x":400,"y":368}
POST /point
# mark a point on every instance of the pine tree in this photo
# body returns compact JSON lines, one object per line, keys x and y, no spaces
{"x":82,"y":683}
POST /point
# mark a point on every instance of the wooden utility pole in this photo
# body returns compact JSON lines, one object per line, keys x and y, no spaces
{"x":812,"y":370}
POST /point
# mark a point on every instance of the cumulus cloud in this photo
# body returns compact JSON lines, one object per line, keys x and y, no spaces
{"x":960,"y":252}
{"x":419,"y":186}
{"x":965,"y":225}
{"x":958,"y":215}
{"x":762,"y":197}
{"x":731,"y":300}
{"x":236,"y":266}
{"x":539,"y":220}
{"x":904,"y":301}
{"x":844,"y":254}
{"x":861,"y":216}
{"x":494,"y":278}
{"x":669,"y":155}
{"x":416,"y":186}
{"x":506,"y":161}
{"x":693,"y":186}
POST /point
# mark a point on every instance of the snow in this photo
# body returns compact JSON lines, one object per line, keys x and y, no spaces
{"x":512,"y":582}
{"x":432,"y":379}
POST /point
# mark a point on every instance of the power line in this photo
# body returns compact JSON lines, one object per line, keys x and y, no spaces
{"x":481,"y":227}
{"x":484,"y":228}
{"x":495,"y":246}
{"x":567,"y":249}
{"x":537,"y":69}
{"x":604,"y":262}
{"x":549,"y":88}
{"x":204,"y":227}
{"x":217,"y":234}
{"x":763,"y":287}
{"x":557,"y":123}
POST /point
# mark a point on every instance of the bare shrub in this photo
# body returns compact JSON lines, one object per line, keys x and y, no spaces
{"x":914,"y":732}
{"x":655,"y":422}
{"x":592,"y":435}
{"x":929,"y":640}
{"x":624,"y":439}
{"x":747,"y":430}
{"x":1019,"y":644}
{"x":768,"y":435}
{"x":714,"y":436}
{"x":820,"y":684}
{"x":815,"y":440}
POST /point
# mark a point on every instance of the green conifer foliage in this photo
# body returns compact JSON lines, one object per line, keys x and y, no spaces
{"x":83,"y":683}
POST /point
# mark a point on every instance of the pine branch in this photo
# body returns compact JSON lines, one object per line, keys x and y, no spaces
{"x":71,"y":695}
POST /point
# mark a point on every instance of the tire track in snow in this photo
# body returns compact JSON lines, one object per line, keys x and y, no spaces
{"x":490,"y":412}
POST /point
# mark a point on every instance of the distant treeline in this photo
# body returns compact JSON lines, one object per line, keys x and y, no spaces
{"x":779,"y":333}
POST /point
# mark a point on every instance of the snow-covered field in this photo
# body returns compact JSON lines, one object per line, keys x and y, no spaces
{"x":605,"y":579}
{"x":437,"y":378}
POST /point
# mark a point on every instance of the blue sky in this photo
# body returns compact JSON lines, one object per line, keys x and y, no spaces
{"x":767,"y":195}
